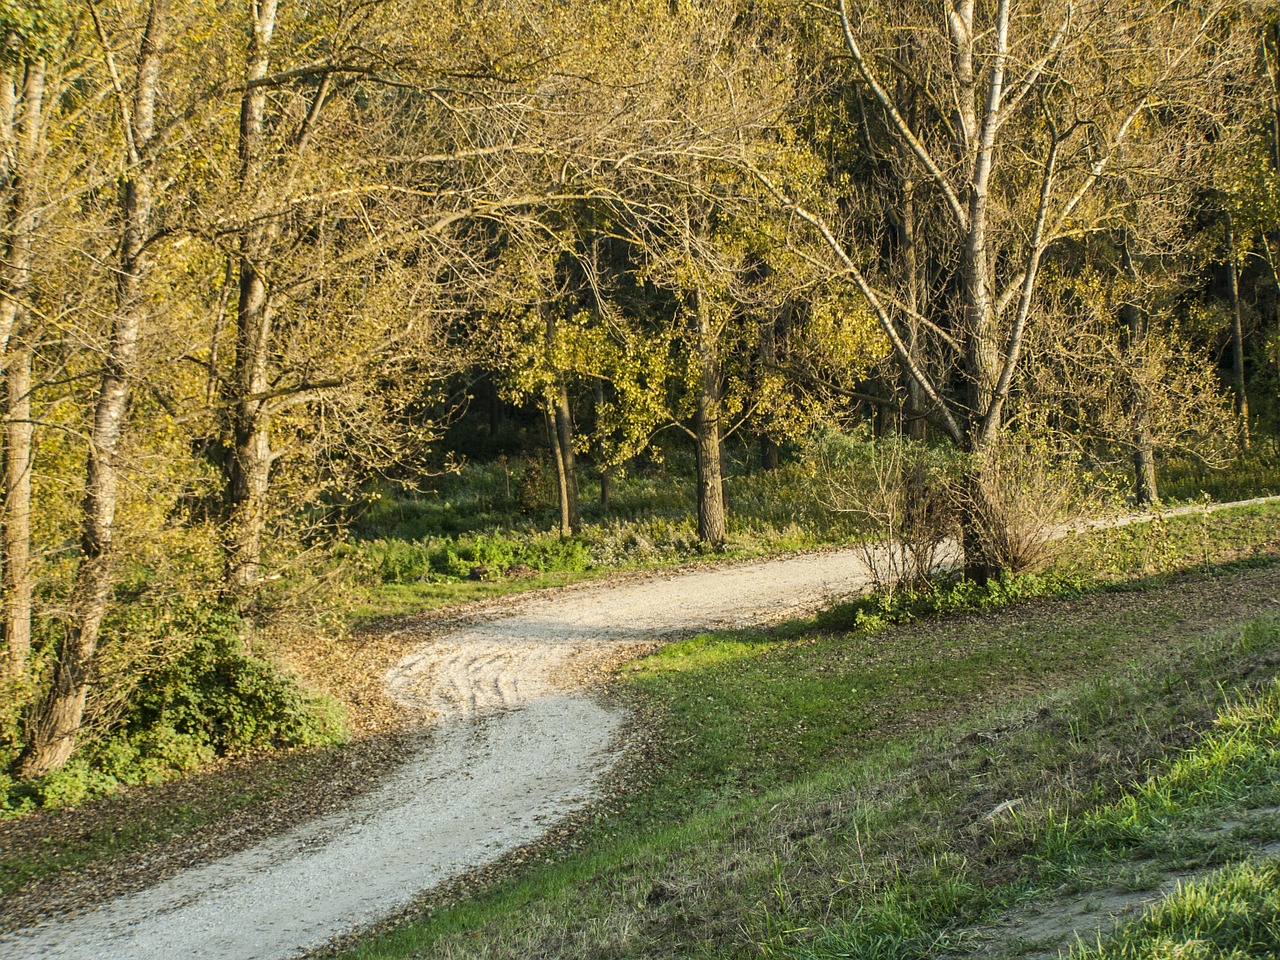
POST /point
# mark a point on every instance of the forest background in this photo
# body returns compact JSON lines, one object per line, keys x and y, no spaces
{"x":315,"y":311}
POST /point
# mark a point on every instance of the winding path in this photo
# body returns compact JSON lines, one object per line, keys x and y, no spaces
{"x":518,"y":741}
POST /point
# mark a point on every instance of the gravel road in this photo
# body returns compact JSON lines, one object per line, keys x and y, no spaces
{"x":518,"y":742}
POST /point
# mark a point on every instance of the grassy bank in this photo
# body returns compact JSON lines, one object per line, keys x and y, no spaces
{"x":763,"y":733}
{"x":892,"y":786}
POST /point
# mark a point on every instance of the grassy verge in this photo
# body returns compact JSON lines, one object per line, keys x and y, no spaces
{"x":1235,"y":914}
{"x":822,"y":793}
{"x":765,"y":732}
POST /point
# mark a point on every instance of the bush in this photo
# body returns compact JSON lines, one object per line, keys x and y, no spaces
{"x":1015,"y":496}
{"x":901,"y":491}
{"x":217,"y":696}
{"x":208,"y":698}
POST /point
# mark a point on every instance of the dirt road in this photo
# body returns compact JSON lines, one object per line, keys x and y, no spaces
{"x":518,"y":741}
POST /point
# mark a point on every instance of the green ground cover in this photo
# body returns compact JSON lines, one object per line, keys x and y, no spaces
{"x":414,"y":551}
{"x":885,"y":786}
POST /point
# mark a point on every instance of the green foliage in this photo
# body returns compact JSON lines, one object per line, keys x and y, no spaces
{"x":226,"y":699}
{"x":32,"y":28}
{"x":488,"y":515}
{"x":876,"y":612}
{"x":1253,"y":473}
{"x":210,"y":699}
{"x":449,"y":559}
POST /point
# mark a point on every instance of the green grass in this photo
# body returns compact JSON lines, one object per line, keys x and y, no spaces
{"x":1254,"y":473}
{"x":821,"y":793}
{"x":1237,"y":763}
{"x":1232,"y":915}
{"x":414,"y":551}
{"x":794,"y":776}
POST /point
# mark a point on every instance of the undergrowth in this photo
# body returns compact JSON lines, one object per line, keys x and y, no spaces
{"x":201,"y":696}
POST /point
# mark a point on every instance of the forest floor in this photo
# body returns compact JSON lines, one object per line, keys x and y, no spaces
{"x":499,"y":732}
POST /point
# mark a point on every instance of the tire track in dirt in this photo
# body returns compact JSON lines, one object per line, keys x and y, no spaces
{"x":517,"y":741}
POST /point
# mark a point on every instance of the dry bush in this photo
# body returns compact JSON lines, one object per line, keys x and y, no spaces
{"x":1017,"y":496}
{"x":900,"y":490}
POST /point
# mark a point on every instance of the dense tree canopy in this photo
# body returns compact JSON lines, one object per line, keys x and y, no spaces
{"x":254,"y":254}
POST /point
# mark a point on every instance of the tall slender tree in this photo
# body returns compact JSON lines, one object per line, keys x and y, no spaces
{"x":57,"y":723}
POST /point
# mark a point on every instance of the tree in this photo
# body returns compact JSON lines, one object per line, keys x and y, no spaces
{"x":1015,"y":119}
{"x":57,"y":723}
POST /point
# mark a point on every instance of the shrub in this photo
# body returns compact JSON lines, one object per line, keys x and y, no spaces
{"x":901,"y":491}
{"x":206,"y":698}
{"x":216,"y":695}
{"x":1015,"y":496}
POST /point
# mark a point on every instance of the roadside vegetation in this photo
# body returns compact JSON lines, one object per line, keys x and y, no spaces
{"x":656,"y":276}
{"x":736,"y":827}
{"x":316,"y":316}
{"x":901,"y":786}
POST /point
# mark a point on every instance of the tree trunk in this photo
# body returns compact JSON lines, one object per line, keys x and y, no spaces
{"x":768,"y":452}
{"x":1237,"y":336}
{"x":606,"y":471}
{"x":711,"y":517}
{"x":916,"y":426}
{"x":1134,"y":318}
{"x":606,"y":481}
{"x":249,"y":466}
{"x":768,"y":362}
{"x":976,"y":519}
{"x":53,"y":733}
{"x":16,"y":545}
{"x":560,"y":428}
{"x":1145,"y":490}
{"x":494,"y":407}
{"x":23,"y":114}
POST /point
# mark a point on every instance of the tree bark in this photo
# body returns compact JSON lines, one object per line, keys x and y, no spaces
{"x":22,"y":116}
{"x":18,"y":437}
{"x":711,"y":514}
{"x":976,"y":518}
{"x":248,"y":477}
{"x":768,"y":356}
{"x":560,"y":426}
{"x":52,"y":735}
{"x":606,"y":471}
{"x":916,"y":426}
{"x":981,"y":324}
{"x":1134,"y":318}
{"x":1237,"y":335}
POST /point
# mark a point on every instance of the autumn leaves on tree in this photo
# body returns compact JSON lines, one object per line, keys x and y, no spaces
{"x":250,"y":251}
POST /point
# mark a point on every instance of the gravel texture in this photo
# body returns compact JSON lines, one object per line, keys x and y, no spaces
{"x":515,"y":742}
